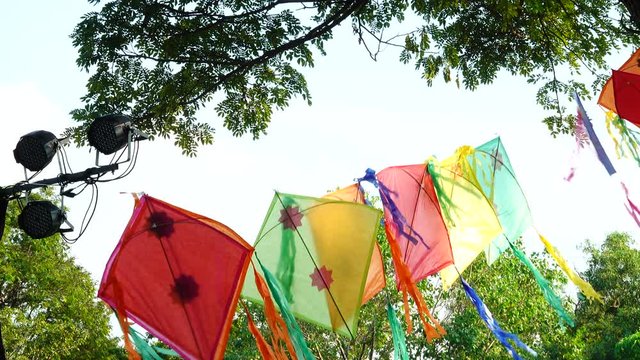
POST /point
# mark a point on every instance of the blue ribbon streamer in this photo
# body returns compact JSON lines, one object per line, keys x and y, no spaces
{"x":493,"y":325}
{"x":602,"y":155}
{"x":396,"y":216}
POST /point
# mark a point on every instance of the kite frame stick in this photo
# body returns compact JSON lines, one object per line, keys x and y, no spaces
{"x":166,"y":257}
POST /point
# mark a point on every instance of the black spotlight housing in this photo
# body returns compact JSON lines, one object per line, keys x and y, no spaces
{"x":40,"y":219}
{"x":109,"y":133}
{"x":36,"y":149}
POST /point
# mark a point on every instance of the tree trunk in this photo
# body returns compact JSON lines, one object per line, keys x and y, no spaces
{"x":633,"y":7}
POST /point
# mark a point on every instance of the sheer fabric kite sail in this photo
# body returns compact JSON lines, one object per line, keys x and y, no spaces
{"x":178,"y":275}
{"x":626,"y":87}
{"x":494,"y":174}
{"x":411,"y":190}
{"x":416,"y":233}
{"x":488,"y":168}
{"x":375,"y":277}
{"x":471,"y":221}
{"x":608,"y":94}
{"x":319,"y":250}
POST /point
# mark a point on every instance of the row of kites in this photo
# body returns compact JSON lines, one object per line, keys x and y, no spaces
{"x":179,"y":275}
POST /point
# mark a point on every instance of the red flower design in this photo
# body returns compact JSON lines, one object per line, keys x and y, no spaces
{"x":321,"y":278}
{"x":291,"y":217}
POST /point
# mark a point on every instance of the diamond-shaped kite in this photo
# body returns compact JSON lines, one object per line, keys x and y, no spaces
{"x":178,"y":275}
{"x":319,"y":251}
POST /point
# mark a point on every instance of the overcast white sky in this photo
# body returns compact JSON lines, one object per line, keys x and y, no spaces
{"x":365,"y":114}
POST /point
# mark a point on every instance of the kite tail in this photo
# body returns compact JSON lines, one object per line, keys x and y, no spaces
{"x":274,"y":320}
{"x":584,"y":286}
{"x":631,"y":207}
{"x":301,"y":349}
{"x":396,"y":215}
{"x":492,"y":324}
{"x":547,"y":291}
{"x":265,"y":350}
{"x":446,"y":205}
{"x":408,"y":287}
{"x":582,"y":138}
{"x":602,"y":155}
{"x":628,"y":138}
{"x":124,"y":324}
{"x":399,"y":344}
{"x":132,"y":354}
{"x":286,"y":264}
{"x":147,"y":351}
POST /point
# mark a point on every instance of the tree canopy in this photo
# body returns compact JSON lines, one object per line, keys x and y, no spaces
{"x":162,"y":61}
{"x":614,"y":271}
{"x":48,"y":308}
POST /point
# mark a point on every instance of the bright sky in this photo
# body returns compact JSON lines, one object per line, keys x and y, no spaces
{"x":364,"y":114}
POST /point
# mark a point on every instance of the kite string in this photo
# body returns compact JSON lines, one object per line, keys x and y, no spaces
{"x":317,"y":269}
{"x":166,"y":257}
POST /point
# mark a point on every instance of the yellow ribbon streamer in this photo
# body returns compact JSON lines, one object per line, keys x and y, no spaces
{"x":584,"y":286}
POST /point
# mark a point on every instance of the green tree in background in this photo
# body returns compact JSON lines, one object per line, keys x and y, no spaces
{"x":628,"y":348}
{"x":48,"y":308}
{"x":162,"y":61}
{"x":515,"y":300}
{"x":614,"y":271}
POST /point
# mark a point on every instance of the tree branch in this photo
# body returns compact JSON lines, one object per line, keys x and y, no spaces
{"x":326,"y":26}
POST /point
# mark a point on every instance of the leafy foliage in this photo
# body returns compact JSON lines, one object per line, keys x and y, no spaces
{"x":48,"y":308}
{"x":162,"y":61}
{"x":628,"y":348}
{"x":511,"y":293}
{"x":614,"y":271}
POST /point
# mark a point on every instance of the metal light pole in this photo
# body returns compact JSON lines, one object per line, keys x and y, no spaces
{"x":108,"y":134}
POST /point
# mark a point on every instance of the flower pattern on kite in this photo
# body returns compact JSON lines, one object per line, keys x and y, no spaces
{"x":178,"y":275}
{"x":329,"y":251}
{"x":321,"y":278}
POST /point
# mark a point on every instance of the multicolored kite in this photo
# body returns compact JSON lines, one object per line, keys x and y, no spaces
{"x":319,"y":252}
{"x":488,"y":168}
{"x":178,"y":275}
{"x":621,"y":95}
{"x":510,"y":205}
{"x":423,"y":239}
{"x":473,"y":225}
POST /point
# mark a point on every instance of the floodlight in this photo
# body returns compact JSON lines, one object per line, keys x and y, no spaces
{"x":40,"y":219}
{"x":109,"y":133}
{"x":35,"y":150}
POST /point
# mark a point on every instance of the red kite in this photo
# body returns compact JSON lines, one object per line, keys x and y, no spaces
{"x":178,"y":275}
{"x":626,"y":87}
{"x":608,"y":93}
